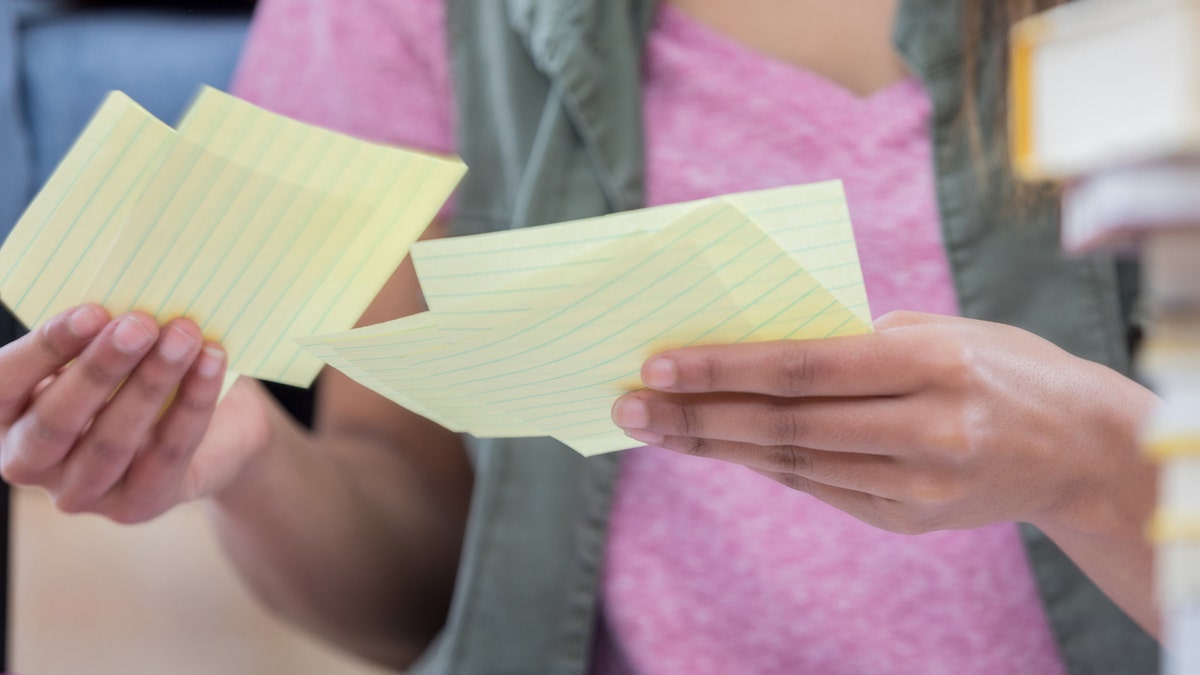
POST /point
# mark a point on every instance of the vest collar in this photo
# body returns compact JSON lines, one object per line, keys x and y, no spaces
{"x":563,"y":39}
{"x":928,"y":34}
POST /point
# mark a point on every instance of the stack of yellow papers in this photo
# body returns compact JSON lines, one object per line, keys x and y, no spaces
{"x":536,"y":332}
{"x":258,"y":227}
{"x":266,"y":231}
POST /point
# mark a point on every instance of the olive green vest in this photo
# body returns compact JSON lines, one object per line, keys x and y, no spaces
{"x":550,"y":123}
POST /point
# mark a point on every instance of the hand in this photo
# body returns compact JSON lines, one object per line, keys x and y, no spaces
{"x":111,"y":417}
{"x":929,"y":423}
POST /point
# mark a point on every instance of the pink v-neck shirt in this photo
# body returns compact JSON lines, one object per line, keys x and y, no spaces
{"x":712,"y":568}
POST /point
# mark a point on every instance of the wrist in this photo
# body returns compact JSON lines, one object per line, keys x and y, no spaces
{"x":1111,"y":486}
{"x":263,"y":444}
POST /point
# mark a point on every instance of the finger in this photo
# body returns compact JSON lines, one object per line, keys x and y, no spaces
{"x":43,"y":436}
{"x":870,"y":474}
{"x":851,"y":501}
{"x":880,"y":512}
{"x":903,"y":318}
{"x":158,"y":471}
{"x":858,"y":425}
{"x":879,"y":364}
{"x":28,"y":361}
{"x":102,"y":455}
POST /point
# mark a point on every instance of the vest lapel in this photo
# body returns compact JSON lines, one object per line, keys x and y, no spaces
{"x":550,"y":126}
{"x":584,"y":48}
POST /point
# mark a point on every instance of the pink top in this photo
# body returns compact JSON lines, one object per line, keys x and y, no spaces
{"x":712,"y":568}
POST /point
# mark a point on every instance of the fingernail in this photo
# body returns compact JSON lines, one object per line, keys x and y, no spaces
{"x":176,"y":344}
{"x":212,"y":362}
{"x":630,"y":413}
{"x":659,"y":373}
{"x":86,"y":321}
{"x":647,"y":437}
{"x":131,"y":336}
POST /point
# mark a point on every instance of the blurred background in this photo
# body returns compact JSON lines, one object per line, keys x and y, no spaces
{"x":84,"y":595}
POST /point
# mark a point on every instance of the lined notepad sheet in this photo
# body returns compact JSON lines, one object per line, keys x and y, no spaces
{"x":258,"y":227}
{"x":810,"y":222}
{"x":536,"y":332}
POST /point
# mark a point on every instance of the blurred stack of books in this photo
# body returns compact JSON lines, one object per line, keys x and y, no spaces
{"x":1106,"y":100}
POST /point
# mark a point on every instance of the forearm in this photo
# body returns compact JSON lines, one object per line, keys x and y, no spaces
{"x":1119,"y":562}
{"x":1101,"y":522}
{"x":348,"y":536}
{"x":930,"y":423}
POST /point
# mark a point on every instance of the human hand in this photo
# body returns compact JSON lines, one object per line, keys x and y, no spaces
{"x":930,"y":423}
{"x":132,"y":454}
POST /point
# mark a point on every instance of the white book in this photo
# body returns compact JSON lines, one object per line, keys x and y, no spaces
{"x":1178,"y":481}
{"x":1177,"y":573}
{"x":1114,"y":208}
{"x":1105,"y":83}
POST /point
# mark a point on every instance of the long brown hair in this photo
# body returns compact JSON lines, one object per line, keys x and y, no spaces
{"x":985,"y":29}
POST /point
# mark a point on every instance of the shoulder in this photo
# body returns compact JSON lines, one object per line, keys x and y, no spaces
{"x":312,"y":30}
{"x":377,"y":69}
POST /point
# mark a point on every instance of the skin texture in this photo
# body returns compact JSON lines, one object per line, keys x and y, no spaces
{"x":369,"y":565}
{"x":848,"y":42}
{"x":353,"y":531}
{"x":126,"y":464}
{"x":930,"y":423}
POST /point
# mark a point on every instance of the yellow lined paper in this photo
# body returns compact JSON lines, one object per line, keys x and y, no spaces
{"x":810,"y":222}
{"x":59,"y":243}
{"x":258,"y":227}
{"x":569,"y":312}
{"x":367,"y":355}
{"x":265,"y":230}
